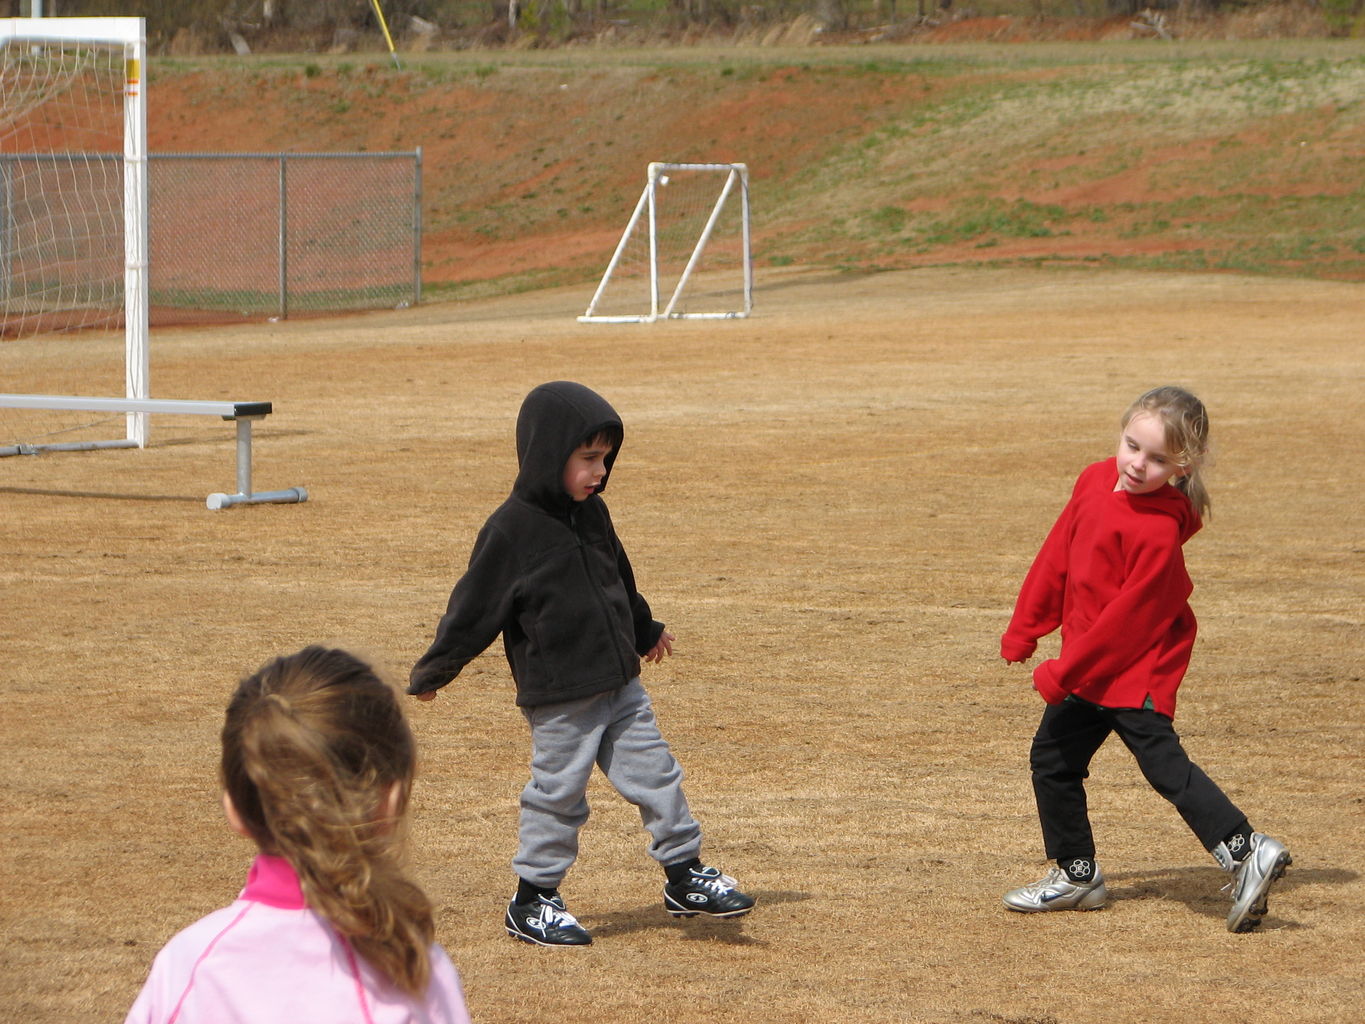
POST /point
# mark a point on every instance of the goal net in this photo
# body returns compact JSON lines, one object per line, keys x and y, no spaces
{"x":73,"y":216}
{"x":685,"y":251}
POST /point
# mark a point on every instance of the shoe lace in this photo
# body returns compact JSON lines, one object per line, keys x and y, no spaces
{"x":1047,"y":881}
{"x":552,"y":917}
{"x":719,"y":885}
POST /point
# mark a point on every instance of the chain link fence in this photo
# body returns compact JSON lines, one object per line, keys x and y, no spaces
{"x":250,"y":234}
{"x":232,"y":236}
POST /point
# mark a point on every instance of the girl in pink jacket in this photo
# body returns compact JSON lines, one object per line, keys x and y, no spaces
{"x":318,"y":763}
{"x":1112,"y":575}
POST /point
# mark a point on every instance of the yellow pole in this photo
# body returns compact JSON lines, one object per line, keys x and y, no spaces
{"x":384,"y":25}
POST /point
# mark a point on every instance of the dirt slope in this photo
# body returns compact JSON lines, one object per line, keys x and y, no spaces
{"x":870,"y":157}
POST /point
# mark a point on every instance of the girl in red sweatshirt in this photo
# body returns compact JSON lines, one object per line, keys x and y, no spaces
{"x":1112,"y":575}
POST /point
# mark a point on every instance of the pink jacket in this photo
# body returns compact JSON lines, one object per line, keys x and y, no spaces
{"x":268,"y":959}
{"x":1112,"y":574}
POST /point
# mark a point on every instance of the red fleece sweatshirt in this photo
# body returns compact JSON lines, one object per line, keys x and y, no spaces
{"x":1112,"y":574}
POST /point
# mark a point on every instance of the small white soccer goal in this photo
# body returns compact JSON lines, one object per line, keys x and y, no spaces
{"x":685,"y":251}
{"x":73,"y":211}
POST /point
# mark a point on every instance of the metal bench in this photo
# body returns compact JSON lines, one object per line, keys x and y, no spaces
{"x":242,"y":412}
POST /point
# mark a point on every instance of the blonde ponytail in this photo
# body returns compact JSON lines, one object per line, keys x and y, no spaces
{"x":313,"y":746}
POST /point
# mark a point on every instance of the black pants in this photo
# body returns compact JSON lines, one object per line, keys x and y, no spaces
{"x":1068,"y":737}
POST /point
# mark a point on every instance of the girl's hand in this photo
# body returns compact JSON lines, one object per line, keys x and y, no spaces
{"x":664,"y":646}
{"x":1016,"y":652}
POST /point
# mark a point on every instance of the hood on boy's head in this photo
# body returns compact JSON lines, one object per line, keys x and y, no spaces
{"x":555,"y":419}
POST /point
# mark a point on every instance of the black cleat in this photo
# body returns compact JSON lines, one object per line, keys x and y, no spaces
{"x":706,"y":891}
{"x":545,"y":923}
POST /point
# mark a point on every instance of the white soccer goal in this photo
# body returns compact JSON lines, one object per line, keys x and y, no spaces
{"x":685,"y":251}
{"x":73,"y":214}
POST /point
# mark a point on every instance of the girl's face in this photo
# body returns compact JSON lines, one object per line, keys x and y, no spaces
{"x":1144,"y":464}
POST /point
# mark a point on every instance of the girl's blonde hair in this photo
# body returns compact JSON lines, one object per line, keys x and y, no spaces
{"x":313,"y":745}
{"x":1186,"y":425}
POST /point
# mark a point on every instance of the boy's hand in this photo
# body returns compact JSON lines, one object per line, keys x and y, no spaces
{"x":429,"y":695}
{"x":664,"y":646}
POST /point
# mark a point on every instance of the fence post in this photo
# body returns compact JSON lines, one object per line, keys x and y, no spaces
{"x":284,"y":242}
{"x":417,"y":229}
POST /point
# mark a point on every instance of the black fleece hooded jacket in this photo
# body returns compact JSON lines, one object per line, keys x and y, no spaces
{"x":547,"y":572}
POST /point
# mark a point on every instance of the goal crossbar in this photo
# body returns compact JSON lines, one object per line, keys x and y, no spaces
{"x":124,"y":31}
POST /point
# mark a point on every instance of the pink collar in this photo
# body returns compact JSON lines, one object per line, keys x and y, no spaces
{"x":273,"y":881}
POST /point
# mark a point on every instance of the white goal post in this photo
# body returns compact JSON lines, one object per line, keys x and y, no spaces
{"x":685,"y":252}
{"x":72,"y":210}
{"x":46,"y":224}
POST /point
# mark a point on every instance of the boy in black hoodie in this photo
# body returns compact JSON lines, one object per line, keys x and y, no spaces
{"x":550,"y":575}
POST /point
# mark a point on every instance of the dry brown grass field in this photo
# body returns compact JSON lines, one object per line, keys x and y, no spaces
{"x":832,"y":505}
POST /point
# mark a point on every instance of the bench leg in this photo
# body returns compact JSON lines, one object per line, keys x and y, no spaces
{"x":244,"y":495}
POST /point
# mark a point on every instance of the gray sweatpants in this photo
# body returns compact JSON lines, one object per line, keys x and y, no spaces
{"x":616,"y":731}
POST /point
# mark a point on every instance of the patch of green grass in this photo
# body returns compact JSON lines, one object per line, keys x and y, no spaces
{"x":256,"y":301}
{"x":512,"y":284}
{"x":1144,"y":228}
{"x":1019,"y":219}
{"x":889,"y":219}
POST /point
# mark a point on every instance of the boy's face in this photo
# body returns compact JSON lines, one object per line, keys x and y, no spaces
{"x":586,"y":468}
